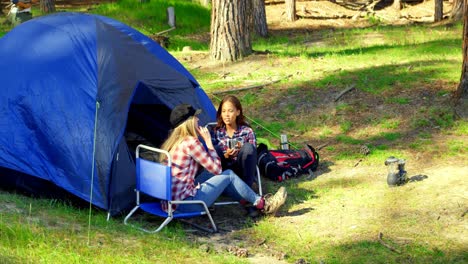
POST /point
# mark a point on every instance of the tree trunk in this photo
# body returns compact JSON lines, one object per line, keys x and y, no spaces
{"x":230,"y":34}
{"x":457,"y":10}
{"x":438,"y":10}
{"x":290,"y":10}
{"x":397,"y":5}
{"x":260,"y":21}
{"x":461,"y":96}
{"x":47,"y":6}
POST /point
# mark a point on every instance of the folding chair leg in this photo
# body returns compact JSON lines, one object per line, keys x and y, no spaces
{"x":211,"y":220}
{"x":130,"y":214}
{"x":166,"y":221}
{"x":169,"y":219}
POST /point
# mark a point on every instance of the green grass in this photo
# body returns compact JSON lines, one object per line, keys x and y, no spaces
{"x":150,"y":18}
{"x":47,"y":231}
{"x":336,"y":217}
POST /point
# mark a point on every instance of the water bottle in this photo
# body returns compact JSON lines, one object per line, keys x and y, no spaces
{"x":284,"y":142}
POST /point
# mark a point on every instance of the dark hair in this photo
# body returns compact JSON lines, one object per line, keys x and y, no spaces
{"x":240,"y":120}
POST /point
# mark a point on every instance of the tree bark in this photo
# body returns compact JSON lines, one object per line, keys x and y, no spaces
{"x":461,"y":95}
{"x":47,"y":6}
{"x":397,"y":5}
{"x":230,"y":30}
{"x":438,"y":10}
{"x":457,"y":10}
{"x":260,"y":21}
{"x":290,"y":10}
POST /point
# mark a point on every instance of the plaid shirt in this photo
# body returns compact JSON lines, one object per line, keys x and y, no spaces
{"x":244,"y":134}
{"x":186,"y":158}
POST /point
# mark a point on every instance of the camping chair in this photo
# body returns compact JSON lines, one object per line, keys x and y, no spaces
{"x":210,"y":127}
{"x":155,"y":179}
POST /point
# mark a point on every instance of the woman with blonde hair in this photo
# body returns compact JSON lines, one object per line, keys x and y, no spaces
{"x":188,"y":155}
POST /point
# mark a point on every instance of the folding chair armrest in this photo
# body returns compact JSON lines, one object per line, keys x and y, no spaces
{"x":158,"y":150}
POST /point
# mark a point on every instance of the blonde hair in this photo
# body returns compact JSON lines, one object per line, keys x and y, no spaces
{"x":182,"y":131}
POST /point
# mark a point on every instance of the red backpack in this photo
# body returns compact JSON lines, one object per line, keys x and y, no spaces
{"x":279,"y":165}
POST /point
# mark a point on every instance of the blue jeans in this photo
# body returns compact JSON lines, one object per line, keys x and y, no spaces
{"x":212,"y":186}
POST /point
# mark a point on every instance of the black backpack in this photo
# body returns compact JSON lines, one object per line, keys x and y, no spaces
{"x":279,"y":165}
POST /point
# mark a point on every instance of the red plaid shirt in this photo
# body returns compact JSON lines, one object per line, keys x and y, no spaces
{"x":186,"y":158}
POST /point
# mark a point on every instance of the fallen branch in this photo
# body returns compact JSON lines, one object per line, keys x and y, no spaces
{"x":387,"y":245}
{"x":321,"y":146}
{"x":345,"y":91}
{"x":165,"y":31}
{"x":324,"y":17}
{"x":357,"y":163}
{"x":251,"y":86}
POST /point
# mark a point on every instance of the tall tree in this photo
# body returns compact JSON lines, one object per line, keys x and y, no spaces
{"x":290,"y":10}
{"x":461,"y":96}
{"x":457,"y":10}
{"x":397,"y":5}
{"x":438,"y":10}
{"x":230,"y":30}
{"x":259,"y":17}
{"x":47,"y":6}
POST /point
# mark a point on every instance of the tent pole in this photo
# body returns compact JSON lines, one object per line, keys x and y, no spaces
{"x":92,"y":171}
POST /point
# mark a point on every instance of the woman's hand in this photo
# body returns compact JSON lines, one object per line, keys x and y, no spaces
{"x":205,"y":134}
{"x":231,"y":153}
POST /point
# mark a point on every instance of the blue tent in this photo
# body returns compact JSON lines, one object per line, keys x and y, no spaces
{"x":73,"y":86}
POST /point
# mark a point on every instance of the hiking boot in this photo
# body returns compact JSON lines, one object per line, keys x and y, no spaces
{"x":274,"y":202}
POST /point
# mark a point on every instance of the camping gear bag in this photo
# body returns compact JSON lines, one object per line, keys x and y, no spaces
{"x":280,"y":165}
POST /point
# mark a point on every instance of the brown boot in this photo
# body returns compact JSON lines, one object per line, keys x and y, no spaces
{"x":274,"y":202}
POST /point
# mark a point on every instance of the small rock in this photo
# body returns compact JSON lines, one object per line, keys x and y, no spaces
{"x":301,"y":261}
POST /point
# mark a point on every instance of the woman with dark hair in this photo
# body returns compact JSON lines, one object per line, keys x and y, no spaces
{"x":235,"y":140}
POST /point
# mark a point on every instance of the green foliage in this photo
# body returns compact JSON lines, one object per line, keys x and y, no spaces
{"x":342,"y":107}
{"x":398,"y":100}
{"x":457,"y":147}
{"x":373,"y":20}
{"x":348,"y":140}
{"x":345,"y":126}
{"x":460,"y":128}
{"x":390,"y":124}
{"x":442,"y":117}
{"x":389,"y":136}
{"x":150,"y":18}
{"x":420,"y":144}
{"x":266,"y":142}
